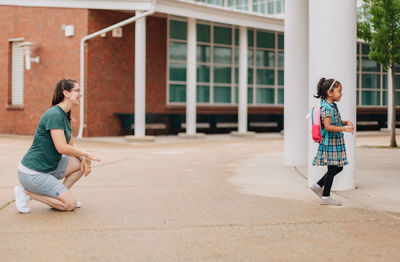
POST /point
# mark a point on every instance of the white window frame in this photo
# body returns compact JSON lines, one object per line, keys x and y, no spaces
{"x":17,"y":72}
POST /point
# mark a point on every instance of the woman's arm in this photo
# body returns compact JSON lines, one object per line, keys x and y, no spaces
{"x":336,"y":129}
{"x":85,"y":162}
{"x":62,"y":147}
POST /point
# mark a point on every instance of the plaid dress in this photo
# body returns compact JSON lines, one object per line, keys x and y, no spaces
{"x":334,"y":153}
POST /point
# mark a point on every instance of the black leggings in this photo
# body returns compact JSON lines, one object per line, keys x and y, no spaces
{"x":327,"y":180}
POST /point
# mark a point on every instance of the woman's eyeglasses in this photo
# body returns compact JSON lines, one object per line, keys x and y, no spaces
{"x":76,"y":90}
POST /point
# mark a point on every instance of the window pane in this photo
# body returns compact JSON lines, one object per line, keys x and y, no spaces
{"x":370,"y":66}
{"x":270,"y":7}
{"x":203,"y":53}
{"x":397,"y":79}
{"x":397,"y":98}
{"x":358,"y":63}
{"x":384,"y":98}
{"x":265,"y":77}
{"x":177,"y":93}
{"x":222,"y":94}
{"x":265,"y":58}
{"x":281,"y":77}
{"x":250,"y":37}
{"x":222,"y":35}
{"x":177,"y":29}
{"x":203,"y":73}
{"x":177,"y":72}
{"x":236,"y":37}
{"x":203,"y":94}
{"x":203,"y":33}
{"x":370,"y":98}
{"x":281,"y":59}
{"x":177,"y":51}
{"x":384,"y":81}
{"x":278,"y":7}
{"x":265,"y":96}
{"x":281,"y":41}
{"x":222,"y":74}
{"x":365,"y":49}
{"x":370,"y":81}
{"x":358,"y":97}
{"x":222,"y":55}
{"x":280,"y":96}
{"x":266,"y":40}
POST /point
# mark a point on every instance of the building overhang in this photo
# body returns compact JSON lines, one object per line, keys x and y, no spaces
{"x":182,"y":8}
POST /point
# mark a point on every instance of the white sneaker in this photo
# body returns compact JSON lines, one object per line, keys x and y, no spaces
{"x":317,"y":190}
{"x":21,"y":200}
{"x":78,"y":204}
{"x":330,"y":202}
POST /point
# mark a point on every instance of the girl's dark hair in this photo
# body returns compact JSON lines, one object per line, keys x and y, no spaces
{"x":58,"y":96}
{"x":323,"y":87}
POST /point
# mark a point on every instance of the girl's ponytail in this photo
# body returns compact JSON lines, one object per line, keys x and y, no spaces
{"x":323,"y":87}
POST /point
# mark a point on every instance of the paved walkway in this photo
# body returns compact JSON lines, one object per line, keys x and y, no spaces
{"x":217,"y":199}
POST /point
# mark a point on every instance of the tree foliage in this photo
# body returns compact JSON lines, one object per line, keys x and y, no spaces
{"x":381,"y":29}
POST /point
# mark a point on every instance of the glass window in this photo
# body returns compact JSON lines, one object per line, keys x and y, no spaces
{"x":370,"y":98}
{"x":222,"y":74}
{"x":222,"y":35}
{"x":281,"y":42}
{"x":280,"y":96}
{"x":203,"y":94}
{"x":177,"y":72}
{"x":370,"y":81}
{"x":177,"y":29}
{"x":358,"y":97}
{"x":385,"y":81}
{"x":236,"y":37}
{"x":203,"y":73}
{"x":370,"y":66}
{"x":397,"y":83}
{"x":250,"y":37}
{"x":265,"y":77}
{"x":249,"y":76}
{"x":271,"y":7}
{"x":265,"y":40}
{"x":203,"y":53}
{"x":278,"y":7}
{"x":203,"y":33}
{"x":265,"y":96}
{"x":249,"y":57}
{"x":281,"y":77}
{"x":177,"y":51}
{"x":265,"y":58}
{"x":281,"y":59}
{"x":222,"y":55}
{"x":384,"y":98}
{"x":365,"y":49}
{"x":222,"y":94}
{"x":177,"y":93}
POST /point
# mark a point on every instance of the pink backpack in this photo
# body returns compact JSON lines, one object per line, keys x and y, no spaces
{"x":316,"y":129}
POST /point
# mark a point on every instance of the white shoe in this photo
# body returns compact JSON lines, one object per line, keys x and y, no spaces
{"x":317,"y":190}
{"x":21,"y":200}
{"x":330,"y":202}
{"x":78,"y":204}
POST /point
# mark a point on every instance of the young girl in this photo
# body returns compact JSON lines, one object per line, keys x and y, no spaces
{"x":332,"y":153}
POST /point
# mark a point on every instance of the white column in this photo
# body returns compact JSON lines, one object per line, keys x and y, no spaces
{"x":389,"y":100}
{"x":332,"y":54}
{"x":296,"y":82}
{"x":140,"y":76}
{"x":242,"y":114}
{"x":191,"y":78}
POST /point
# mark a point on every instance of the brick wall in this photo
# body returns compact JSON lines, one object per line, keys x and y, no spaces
{"x":110,"y":71}
{"x":59,"y":58}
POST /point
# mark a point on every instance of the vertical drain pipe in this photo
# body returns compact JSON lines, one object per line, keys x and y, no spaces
{"x":82,"y":64}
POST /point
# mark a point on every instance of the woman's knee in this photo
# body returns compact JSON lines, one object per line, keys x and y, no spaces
{"x":68,"y":200}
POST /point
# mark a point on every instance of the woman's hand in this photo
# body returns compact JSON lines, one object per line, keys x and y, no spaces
{"x":349,"y":129}
{"x":91,"y":157}
{"x":85,"y":166}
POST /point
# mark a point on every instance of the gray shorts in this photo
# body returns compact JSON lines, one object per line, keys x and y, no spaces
{"x":45,"y":183}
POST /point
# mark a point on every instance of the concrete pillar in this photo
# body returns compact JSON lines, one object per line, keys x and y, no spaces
{"x":296,"y":83}
{"x":332,"y":54}
{"x":242,"y":114}
{"x":389,"y":100}
{"x":191,"y":78}
{"x":140,"y":76}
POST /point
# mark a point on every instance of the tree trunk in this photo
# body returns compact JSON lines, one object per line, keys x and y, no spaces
{"x":393,"y":127}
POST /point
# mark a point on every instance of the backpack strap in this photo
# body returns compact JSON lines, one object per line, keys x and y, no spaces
{"x":324,"y":133}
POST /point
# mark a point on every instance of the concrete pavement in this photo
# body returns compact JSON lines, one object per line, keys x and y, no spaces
{"x":217,"y":199}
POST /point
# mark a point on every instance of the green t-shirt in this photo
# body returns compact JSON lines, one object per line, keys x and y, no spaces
{"x":43,"y":156}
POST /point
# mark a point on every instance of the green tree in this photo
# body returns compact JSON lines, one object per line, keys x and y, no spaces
{"x":381,"y":29}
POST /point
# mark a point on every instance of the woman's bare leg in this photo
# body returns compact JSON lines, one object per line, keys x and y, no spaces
{"x":73,"y":172}
{"x":64,"y":202}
